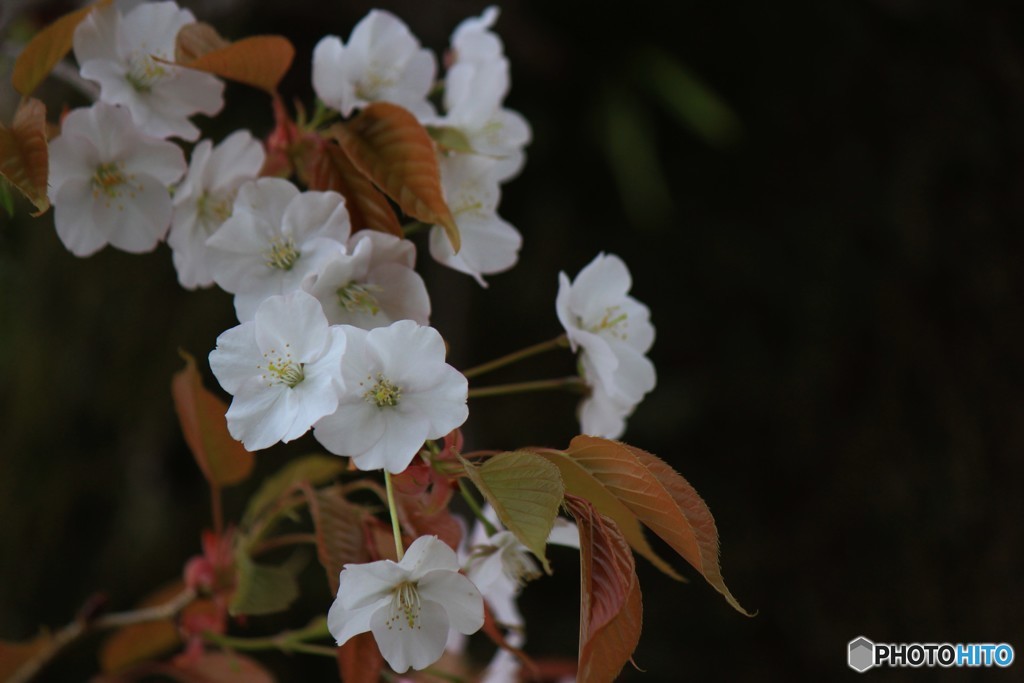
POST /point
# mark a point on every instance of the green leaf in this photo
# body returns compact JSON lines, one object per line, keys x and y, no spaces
{"x":311,"y":469}
{"x":450,"y":138}
{"x":580,"y":482}
{"x":263,"y":589}
{"x":525,"y":490}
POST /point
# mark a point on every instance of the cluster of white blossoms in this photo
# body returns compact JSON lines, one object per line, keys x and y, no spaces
{"x":383,"y":62}
{"x":333,"y":335}
{"x":612,"y":331}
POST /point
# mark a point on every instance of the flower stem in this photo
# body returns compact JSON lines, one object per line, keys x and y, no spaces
{"x":475,"y":507}
{"x":393,"y":509}
{"x":286,"y":641}
{"x":561,"y":341}
{"x":569,"y":383}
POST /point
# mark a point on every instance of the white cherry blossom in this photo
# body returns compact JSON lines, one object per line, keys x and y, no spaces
{"x":612,"y":331}
{"x":203,"y":201}
{"x":383,"y":61}
{"x":123,"y":54}
{"x":409,"y":606}
{"x":109,"y":182}
{"x":489,"y":244}
{"x":399,"y":392}
{"x":476,"y":84}
{"x":373,"y":285}
{"x":283,"y":369}
{"x":275,"y":237}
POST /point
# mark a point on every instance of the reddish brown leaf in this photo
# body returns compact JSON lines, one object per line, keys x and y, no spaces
{"x":387,"y":144}
{"x":14,"y":655}
{"x":195,"y":40}
{"x":24,"y":156}
{"x":259,"y":61}
{"x":329,"y":168}
{"x":223,"y":460}
{"x":139,"y":642}
{"x":225,"y":667}
{"x":359,"y":660}
{"x":660,"y":498}
{"x":611,"y":612}
{"x":47,"y":48}
{"x":340,"y":536}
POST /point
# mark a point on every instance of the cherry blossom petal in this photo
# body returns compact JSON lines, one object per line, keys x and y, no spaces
{"x":461,"y":599}
{"x":427,"y":554}
{"x":362,"y":585}
{"x":232,"y":361}
{"x":416,"y":647}
{"x":77,"y":230}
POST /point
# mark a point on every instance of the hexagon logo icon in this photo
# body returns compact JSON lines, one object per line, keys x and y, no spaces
{"x":861,"y":654}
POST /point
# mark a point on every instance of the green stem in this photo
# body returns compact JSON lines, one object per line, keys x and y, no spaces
{"x":393,"y":509}
{"x":414,"y":227}
{"x":286,"y":641}
{"x":560,"y":341}
{"x":475,"y":507}
{"x":570,"y":383}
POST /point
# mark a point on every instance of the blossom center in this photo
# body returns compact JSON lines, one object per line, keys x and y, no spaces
{"x":143,"y":72}
{"x":383,"y":393}
{"x":518,"y":566}
{"x":214,"y":209}
{"x":405,"y":607}
{"x":613,"y":321}
{"x":359,"y":297}
{"x":282,"y":369}
{"x":108,"y":179}
{"x":282,"y":254}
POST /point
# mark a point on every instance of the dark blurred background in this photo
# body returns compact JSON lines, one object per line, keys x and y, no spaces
{"x":821,"y":202}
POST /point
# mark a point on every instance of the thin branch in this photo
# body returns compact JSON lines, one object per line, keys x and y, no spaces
{"x":82,"y":625}
{"x":560,"y":341}
{"x":568,"y":383}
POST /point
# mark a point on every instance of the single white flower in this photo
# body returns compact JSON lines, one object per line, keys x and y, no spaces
{"x":476,"y":84}
{"x":383,"y":61}
{"x":373,"y":285}
{"x":203,"y":201}
{"x":489,"y":244}
{"x":275,"y":237}
{"x":473,"y":96}
{"x":109,"y":182}
{"x":611,"y":329}
{"x":499,"y":565}
{"x":283,"y":369}
{"x":409,"y":606}
{"x":399,"y":392}
{"x":123,"y":53}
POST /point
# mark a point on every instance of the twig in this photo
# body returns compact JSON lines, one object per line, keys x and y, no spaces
{"x":82,"y":625}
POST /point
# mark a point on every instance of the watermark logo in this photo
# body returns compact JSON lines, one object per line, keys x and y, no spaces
{"x":863,"y":654}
